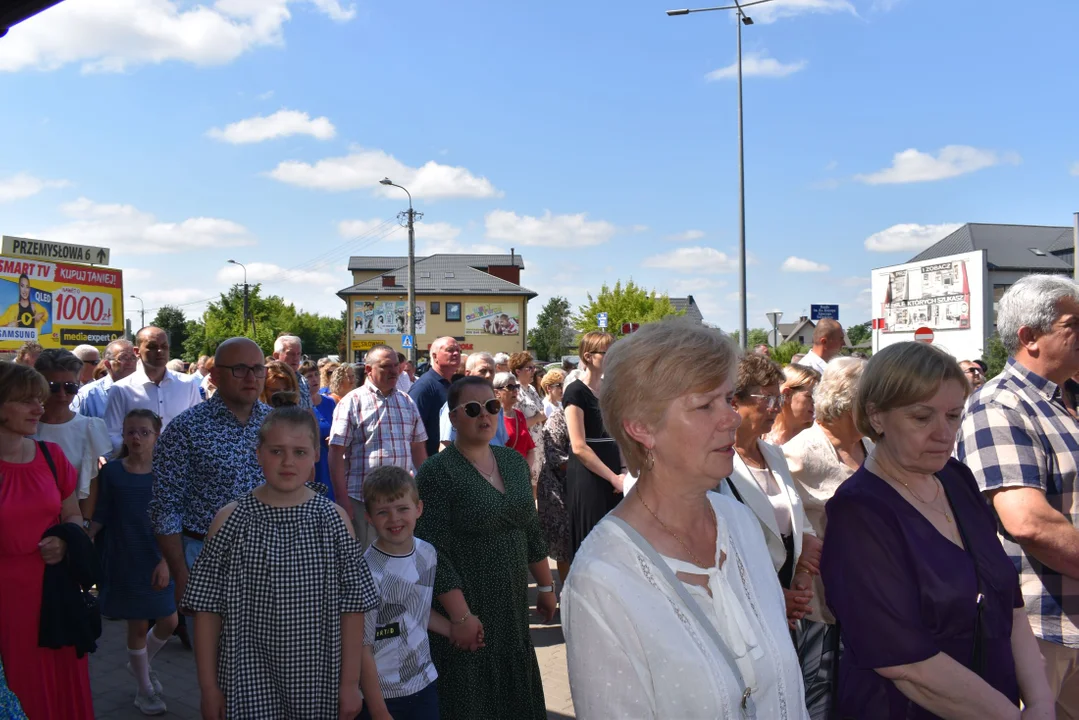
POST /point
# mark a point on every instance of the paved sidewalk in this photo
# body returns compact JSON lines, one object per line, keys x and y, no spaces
{"x":114,"y":688}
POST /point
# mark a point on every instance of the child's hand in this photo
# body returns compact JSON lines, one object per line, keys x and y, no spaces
{"x":160,"y":579}
{"x":351,"y":702}
{"x":213,"y":704}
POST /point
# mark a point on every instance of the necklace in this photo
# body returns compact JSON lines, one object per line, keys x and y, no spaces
{"x":673,"y":534}
{"x":931,"y":504}
{"x":489,"y":476}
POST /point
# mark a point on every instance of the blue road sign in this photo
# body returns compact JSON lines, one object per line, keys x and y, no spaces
{"x":601,"y":318}
{"x":823,"y":312}
{"x":406,"y":342}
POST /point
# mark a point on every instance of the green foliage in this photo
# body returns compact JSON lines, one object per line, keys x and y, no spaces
{"x":553,"y":332}
{"x":858,"y":334}
{"x":757,"y":336}
{"x":223,"y":319}
{"x":787,"y":350}
{"x":623,"y":304}
{"x":172,"y":321}
{"x":996,"y":357}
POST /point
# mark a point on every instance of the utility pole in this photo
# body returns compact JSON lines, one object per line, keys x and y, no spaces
{"x":247,"y":307}
{"x":409,"y":216}
{"x":142,"y":312}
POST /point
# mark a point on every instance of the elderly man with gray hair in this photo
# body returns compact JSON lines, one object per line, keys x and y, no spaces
{"x":90,"y":358}
{"x":289,"y":350}
{"x":1023,"y":447}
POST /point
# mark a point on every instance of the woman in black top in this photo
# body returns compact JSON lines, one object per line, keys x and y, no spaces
{"x":594,"y":476}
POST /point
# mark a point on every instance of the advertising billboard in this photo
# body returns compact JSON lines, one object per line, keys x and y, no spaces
{"x":493,"y":318}
{"x":59,"y":304}
{"x":386,"y":317}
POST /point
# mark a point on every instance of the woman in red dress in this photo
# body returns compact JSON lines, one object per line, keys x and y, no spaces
{"x":50,"y":684}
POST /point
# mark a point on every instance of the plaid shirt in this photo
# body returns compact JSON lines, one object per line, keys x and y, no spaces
{"x":1017,"y":433}
{"x":378,"y":430}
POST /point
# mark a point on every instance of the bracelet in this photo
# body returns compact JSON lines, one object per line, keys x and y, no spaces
{"x":545,"y":588}
{"x":462,"y":620}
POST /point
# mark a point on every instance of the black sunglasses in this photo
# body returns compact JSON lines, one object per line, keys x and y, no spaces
{"x":69,"y":387}
{"x":509,"y":386}
{"x":473,"y":409}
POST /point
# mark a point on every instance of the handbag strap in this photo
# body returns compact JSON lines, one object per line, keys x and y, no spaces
{"x":691,"y":605}
{"x":48,"y":458}
{"x":978,"y":651}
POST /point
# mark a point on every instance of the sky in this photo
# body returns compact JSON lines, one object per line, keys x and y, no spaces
{"x":598,"y":139}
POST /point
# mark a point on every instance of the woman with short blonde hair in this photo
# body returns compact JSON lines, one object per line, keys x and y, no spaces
{"x":797,"y":412}
{"x":673,"y":608}
{"x":929,"y":605}
{"x":342,"y":382}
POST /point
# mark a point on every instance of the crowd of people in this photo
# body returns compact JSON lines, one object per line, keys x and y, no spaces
{"x":889,"y":538}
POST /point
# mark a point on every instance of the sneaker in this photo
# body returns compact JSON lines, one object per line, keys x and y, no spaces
{"x":154,"y":682}
{"x":150,"y":704}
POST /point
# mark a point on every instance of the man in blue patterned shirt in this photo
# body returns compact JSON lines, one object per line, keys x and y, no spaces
{"x":1023,"y":446}
{"x":206,"y":458}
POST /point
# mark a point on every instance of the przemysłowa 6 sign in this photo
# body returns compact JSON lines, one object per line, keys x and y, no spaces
{"x":59,"y":305}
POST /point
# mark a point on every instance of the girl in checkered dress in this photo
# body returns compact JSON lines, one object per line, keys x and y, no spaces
{"x":279,"y":592}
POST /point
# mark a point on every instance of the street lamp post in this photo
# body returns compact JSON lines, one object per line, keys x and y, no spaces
{"x":411,"y":269}
{"x":246,"y":311}
{"x":142,"y":312}
{"x":743,"y":19}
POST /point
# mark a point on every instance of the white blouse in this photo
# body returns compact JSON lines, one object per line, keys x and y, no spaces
{"x":635,"y":650}
{"x":83,"y":440}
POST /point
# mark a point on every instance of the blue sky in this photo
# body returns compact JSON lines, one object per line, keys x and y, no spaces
{"x":598,"y":139}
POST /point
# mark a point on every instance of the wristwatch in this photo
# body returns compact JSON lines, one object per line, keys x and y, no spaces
{"x":545,"y":588}
{"x":85,"y":524}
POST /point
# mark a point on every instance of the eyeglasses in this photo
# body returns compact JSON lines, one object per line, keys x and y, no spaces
{"x":552,"y":386}
{"x":138,"y":432}
{"x":473,"y":409}
{"x":775,"y":402}
{"x":69,"y":387}
{"x":240,"y":371}
{"x":511,"y":387}
{"x":973,"y":371}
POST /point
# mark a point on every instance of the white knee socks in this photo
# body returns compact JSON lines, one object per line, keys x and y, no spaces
{"x":154,"y":645}
{"x":140,"y":666}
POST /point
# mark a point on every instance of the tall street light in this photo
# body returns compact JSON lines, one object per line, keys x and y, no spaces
{"x":143,"y":311}
{"x":744,"y":19}
{"x":246,"y":312}
{"x":411,"y":269}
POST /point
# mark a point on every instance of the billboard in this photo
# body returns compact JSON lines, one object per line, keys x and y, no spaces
{"x":947,"y":295}
{"x":493,"y":318}
{"x":386,"y":317}
{"x":58,"y":304}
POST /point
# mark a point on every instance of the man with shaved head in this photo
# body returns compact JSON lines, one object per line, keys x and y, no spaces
{"x":429,"y":392}
{"x":828,"y":340}
{"x":205,"y":458}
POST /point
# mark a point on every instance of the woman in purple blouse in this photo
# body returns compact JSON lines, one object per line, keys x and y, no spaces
{"x":911,"y":546}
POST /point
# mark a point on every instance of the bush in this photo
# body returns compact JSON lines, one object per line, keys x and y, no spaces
{"x":787,"y":350}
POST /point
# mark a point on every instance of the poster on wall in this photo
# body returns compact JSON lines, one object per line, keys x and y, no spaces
{"x":59,"y":305}
{"x":492,"y":319}
{"x":934,"y":295}
{"x":386,"y":317}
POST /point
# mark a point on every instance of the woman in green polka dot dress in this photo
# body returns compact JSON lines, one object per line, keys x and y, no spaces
{"x":479,"y":514}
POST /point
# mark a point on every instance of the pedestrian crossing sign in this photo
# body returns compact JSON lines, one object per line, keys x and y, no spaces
{"x":406,"y":342}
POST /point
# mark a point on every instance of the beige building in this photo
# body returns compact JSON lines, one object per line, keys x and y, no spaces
{"x":476,"y":299}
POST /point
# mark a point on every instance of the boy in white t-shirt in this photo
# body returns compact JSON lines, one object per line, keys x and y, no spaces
{"x":397,"y":676}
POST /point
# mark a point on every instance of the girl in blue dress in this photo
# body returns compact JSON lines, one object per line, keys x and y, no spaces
{"x":136,"y":583}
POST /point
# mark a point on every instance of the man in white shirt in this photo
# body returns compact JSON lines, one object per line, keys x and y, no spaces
{"x":828,"y":340}
{"x":120,"y":361}
{"x":407,"y":376}
{"x":152,"y":386}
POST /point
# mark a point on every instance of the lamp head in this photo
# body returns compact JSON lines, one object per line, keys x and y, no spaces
{"x":385,"y":181}
{"x":747,"y":20}
{"x":234,"y":262}
{"x":672,"y":13}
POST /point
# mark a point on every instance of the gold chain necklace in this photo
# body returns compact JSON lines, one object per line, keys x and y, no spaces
{"x":675,"y":535}
{"x":931,"y":504}
{"x":488,"y":476}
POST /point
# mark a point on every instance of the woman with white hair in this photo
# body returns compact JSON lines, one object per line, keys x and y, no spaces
{"x":820,"y":459}
{"x":673,"y":608}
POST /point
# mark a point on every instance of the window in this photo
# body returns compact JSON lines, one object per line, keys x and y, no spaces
{"x":1036,"y":251}
{"x":436,"y":308}
{"x":453,"y":312}
{"x":449,"y":276}
{"x":425,"y":275}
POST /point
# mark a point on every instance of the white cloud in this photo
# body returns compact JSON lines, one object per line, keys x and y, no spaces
{"x":266,"y":95}
{"x":913,"y":165}
{"x":282,"y":123}
{"x":21,"y":186}
{"x":1075,"y":169}
{"x":125,"y":228}
{"x":639,"y":228}
{"x":431,"y":238}
{"x":692,"y":286}
{"x":779,"y":9}
{"x":115,"y":35}
{"x":801,"y":265}
{"x":365,"y":168}
{"x":832,"y":165}
{"x":908,"y":236}
{"x":685,"y":236}
{"x":696,"y":260}
{"x":259,"y":272}
{"x":885,"y":5}
{"x":547,"y":231}
{"x":756,"y":65}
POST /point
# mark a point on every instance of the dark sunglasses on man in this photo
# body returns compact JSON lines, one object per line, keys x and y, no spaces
{"x":473,"y":409}
{"x":69,"y":387}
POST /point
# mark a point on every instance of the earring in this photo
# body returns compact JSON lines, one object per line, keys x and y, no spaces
{"x":650,"y":459}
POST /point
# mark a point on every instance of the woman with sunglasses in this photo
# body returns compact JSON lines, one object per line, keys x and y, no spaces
{"x":762,"y":482}
{"x":479,"y":515}
{"x":507,"y":389}
{"x":83,"y":439}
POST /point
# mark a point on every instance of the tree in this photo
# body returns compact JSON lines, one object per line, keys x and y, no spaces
{"x":757,"y":336}
{"x":623,"y":304}
{"x":858,"y":334}
{"x":787,"y":350}
{"x":996,"y":357}
{"x":171,"y":319}
{"x":553,"y":332}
